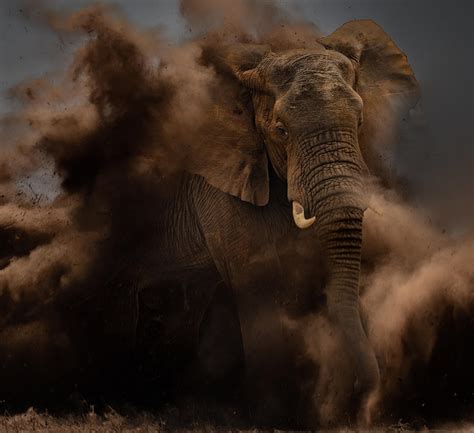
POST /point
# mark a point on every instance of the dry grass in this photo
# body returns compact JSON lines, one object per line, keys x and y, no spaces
{"x":32,"y":421}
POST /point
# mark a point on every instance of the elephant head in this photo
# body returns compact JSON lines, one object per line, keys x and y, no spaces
{"x":319,"y":116}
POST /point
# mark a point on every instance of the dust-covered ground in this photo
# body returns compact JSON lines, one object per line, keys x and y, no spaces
{"x":92,"y":146}
{"x":148,"y":423}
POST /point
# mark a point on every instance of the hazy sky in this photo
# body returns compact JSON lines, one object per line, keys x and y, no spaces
{"x":436,"y":35}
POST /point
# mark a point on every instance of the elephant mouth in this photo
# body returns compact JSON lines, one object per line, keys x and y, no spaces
{"x":298,"y":216}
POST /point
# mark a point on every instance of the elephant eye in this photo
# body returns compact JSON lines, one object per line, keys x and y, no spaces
{"x":281,"y":130}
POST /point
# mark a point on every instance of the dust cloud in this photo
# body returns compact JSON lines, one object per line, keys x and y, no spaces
{"x":418,"y":298}
{"x":93,"y":152}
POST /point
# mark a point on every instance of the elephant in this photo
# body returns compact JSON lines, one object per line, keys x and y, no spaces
{"x":284,"y":193}
{"x":270,"y":209}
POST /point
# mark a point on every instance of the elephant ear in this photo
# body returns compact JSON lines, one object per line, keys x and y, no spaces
{"x":230,"y":154}
{"x":386,"y":83}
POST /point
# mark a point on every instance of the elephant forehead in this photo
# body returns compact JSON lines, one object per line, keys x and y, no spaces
{"x":314,"y":85}
{"x":328,"y":64}
{"x":297,"y":69}
{"x":313,"y":59}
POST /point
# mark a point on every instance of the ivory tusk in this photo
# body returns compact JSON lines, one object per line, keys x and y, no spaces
{"x":298,"y":216}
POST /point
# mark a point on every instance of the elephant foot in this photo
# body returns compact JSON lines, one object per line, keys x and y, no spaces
{"x":339,"y":403}
{"x":345,"y":394}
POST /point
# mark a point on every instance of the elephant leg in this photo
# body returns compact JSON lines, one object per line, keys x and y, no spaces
{"x":279,"y":376}
{"x":213,"y":379}
{"x":220,"y":352}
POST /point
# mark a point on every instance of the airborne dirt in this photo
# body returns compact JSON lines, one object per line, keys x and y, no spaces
{"x":107,"y":136}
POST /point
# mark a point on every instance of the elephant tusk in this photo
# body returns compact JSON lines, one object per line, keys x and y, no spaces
{"x":298,"y":216}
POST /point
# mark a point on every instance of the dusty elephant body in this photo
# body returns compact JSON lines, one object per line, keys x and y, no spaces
{"x":271,"y":208}
{"x":311,"y":133}
{"x":251,"y":251}
{"x":275,"y":271}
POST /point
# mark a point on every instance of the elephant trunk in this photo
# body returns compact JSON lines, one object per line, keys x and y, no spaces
{"x":325,"y":178}
{"x":343,"y":249}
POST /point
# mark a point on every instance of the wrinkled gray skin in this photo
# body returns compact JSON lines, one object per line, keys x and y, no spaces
{"x":310,"y":110}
